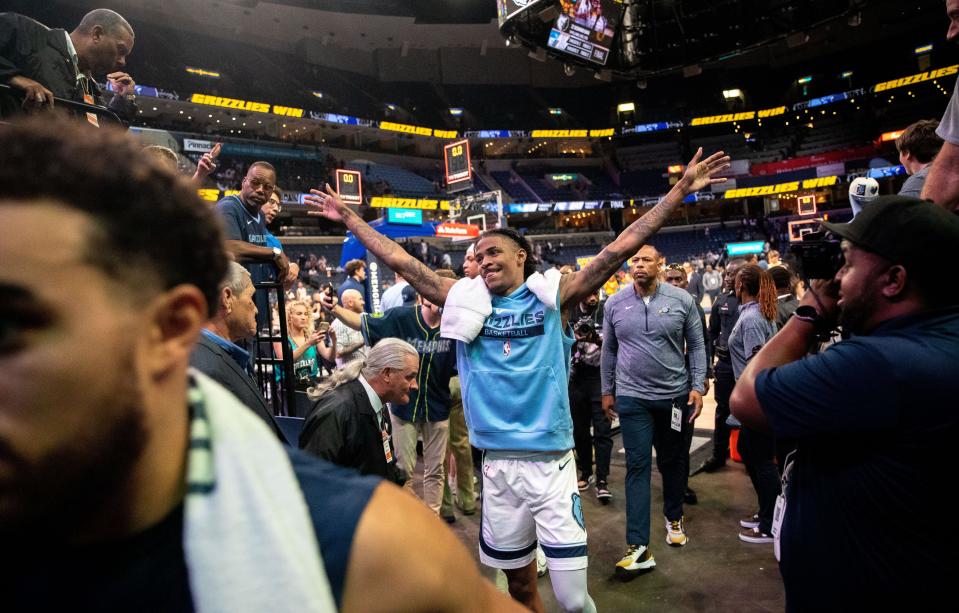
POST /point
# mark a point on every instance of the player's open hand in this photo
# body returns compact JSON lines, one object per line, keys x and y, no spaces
{"x":326,"y":204}
{"x":701,"y":173}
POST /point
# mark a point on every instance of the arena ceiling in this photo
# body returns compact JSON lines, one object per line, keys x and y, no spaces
{"x":457,"y":41}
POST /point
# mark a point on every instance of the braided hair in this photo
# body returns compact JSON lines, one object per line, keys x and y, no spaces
{"x":759,"y":283}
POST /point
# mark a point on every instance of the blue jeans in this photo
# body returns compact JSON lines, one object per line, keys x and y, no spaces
{"x":645,"y":424}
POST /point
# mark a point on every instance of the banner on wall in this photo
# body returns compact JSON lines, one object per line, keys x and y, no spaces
{"x":811,"y":161}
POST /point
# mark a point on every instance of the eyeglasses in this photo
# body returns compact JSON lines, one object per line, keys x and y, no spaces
{"x":255,"y":183}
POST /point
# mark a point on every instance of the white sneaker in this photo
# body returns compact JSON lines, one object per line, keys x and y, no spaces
{"x":637,"y":558}
{"x":750,"y":522}
{"x":676,"y":533}
{"x":541,"y":568}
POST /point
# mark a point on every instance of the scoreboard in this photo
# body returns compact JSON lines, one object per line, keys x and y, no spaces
{"x":349,"y":186}
{"x":459,"y":174}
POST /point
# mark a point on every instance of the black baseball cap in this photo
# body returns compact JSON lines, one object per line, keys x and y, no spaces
{"x":903,"y":230}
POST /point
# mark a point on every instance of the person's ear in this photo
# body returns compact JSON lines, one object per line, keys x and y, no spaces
{"x":227,"y":298}
{"x":97,"y":33}
{"x":175,"y":319}
{"x":893,"y":282}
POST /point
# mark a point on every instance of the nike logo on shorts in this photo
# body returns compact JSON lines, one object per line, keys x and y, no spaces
{"x":563,"y":465}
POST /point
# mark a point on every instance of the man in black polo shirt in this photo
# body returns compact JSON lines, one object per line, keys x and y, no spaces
{"x":427,"y":412}
{"x":723,"y":315}
{"x":874,"y":418}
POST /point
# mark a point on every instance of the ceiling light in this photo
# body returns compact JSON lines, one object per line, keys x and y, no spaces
{"x":732,"y":93}
{"x":626,"y":107}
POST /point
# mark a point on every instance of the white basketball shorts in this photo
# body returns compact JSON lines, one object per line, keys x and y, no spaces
{"x":529,"y":500}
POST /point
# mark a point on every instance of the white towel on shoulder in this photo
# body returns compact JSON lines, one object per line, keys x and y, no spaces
{"x":248,"y":537}
{"x":468,"y":303}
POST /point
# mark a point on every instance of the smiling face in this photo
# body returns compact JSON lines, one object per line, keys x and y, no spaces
{"x":500,"y":263}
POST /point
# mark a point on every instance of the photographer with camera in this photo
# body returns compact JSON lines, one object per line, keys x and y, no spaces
{"x":873,"y":416}
{"x":585,"y":400}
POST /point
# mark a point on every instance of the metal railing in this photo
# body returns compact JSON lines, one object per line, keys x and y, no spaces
{"x":76,"y":108}
{"x":278,"y":391}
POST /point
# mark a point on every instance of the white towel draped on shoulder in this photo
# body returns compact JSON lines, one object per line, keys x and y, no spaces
{"x":248,"y":537}
{"x":468,"y":303}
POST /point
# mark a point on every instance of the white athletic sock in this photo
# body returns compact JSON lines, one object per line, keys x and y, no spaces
{"x":569,"y":586}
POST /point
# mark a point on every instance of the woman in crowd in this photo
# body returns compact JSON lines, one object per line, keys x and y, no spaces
{"x":756,"y":291}
{"x":309,"y":344}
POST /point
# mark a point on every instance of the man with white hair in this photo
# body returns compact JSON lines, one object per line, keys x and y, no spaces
{"x":349,"y":424}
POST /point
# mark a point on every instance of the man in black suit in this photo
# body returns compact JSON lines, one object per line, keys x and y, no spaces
{"x":219,"y":357}
{"x":41,"y":63}
{"x":349,"y":425}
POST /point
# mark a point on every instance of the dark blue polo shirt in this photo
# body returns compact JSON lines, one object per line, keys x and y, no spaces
{"x":431,"y":402}
{"x":875,"y":419}
{"x":240,"y":225}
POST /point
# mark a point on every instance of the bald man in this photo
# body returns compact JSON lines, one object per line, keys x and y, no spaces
{"x":647,"y":330}
{"x":350,"y":344}
{"x":40,"y":63}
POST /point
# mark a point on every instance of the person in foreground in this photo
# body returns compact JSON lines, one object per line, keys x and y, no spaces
{"x":128,"y":482}
{"x":873,"y":418}
{"x":513,"y":358}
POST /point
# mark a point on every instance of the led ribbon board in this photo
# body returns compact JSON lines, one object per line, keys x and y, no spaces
{"x":916,"y":78}
{"x":349,"y":185}
{"x":744,"y":248}
{"x":411,"y":217}
{"x":780,"y":188}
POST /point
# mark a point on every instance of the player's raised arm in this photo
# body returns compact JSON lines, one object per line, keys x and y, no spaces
{"x":699,"y":174}
{"x":430,"y":285}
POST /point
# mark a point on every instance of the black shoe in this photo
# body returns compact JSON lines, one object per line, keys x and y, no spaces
{"x":450,"y":519}
{"x":709,"y":466}
{"x":603,"y":495}
{"x":690,"y":497}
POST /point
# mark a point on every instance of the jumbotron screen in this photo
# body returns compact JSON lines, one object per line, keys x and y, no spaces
{"x":585,"y":28}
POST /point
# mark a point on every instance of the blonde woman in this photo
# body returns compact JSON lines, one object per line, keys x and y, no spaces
{"x":307,"y":345}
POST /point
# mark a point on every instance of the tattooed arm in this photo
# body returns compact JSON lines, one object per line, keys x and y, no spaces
{"x":430,"y":285}
{"x":699,"y":174}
